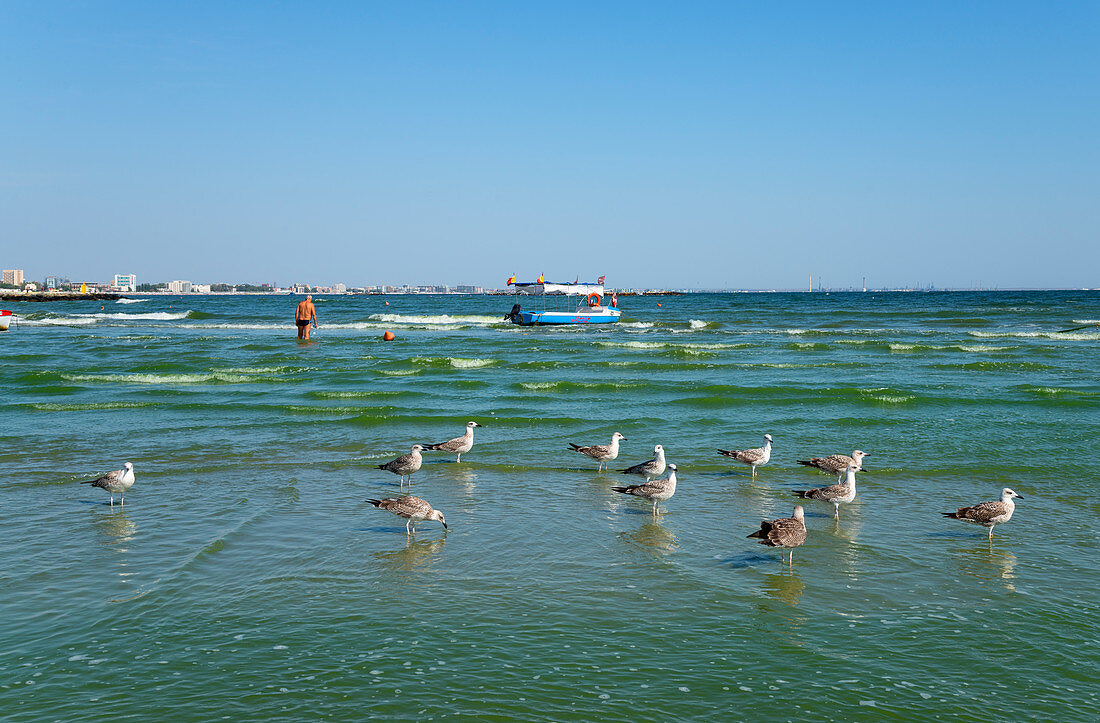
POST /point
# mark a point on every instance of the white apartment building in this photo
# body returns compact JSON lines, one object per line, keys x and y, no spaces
{"x":179,"y":287}
{"x":126,"y":282}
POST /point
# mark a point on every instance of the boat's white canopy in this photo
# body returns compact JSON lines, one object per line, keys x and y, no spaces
{"x":560,"y":289}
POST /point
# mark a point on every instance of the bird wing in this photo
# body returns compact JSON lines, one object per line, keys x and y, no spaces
{"x":983,"y":512}
{"x":111,"y":478}
{"x":648,"y":464}
{"x":449,"y":446}
{"x":749,"y":455}
{"x":407,"y":506}
{"x":786,"y":532}
{"x":405,"y":460}
{"x":656,"y":487}
{"x":834,"y":462}
{"x":827,"y":493}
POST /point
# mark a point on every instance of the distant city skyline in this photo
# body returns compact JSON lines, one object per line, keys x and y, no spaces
{"x":713,"y":145}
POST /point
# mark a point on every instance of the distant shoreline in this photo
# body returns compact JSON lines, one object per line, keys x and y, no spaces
{"x":44,"y":296}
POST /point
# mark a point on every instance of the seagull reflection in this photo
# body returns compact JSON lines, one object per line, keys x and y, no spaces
{"x":785,"y":586}
{"x":417,"y":554}
{"x":653,"y":536}
{"x":116,"y":527}
{"x":989,"y":563}
{"x":462,"y":475}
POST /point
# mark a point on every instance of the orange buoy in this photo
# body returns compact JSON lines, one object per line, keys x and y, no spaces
{"x":387,"y":303}
{"x":388,"y":336}
{"x":658,"y":304}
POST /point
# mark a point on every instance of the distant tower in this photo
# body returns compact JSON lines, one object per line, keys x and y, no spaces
{"x":864,"y":283}
{"x":810,"y":288}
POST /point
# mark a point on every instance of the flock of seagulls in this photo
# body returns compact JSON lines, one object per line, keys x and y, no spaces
{"x":785,"y":533}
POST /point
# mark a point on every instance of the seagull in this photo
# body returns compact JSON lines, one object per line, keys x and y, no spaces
{"x":788,"y":532}
{"x":840,"y":494}
{"x":459,"y":445}
{"x":651,"y":468}
{"x":602,"y":453}
{"x":411,"y":508}
{"x":118,"y":481}
{"x":836,"y":463}
{"x":754,"y":457}
{"x":987,"y":514}
{"x":658,"y":490}
{"x":405,"y":465}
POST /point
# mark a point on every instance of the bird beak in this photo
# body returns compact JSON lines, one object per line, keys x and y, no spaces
{"x":444,"y":525}
{"x":1020,"y":496}
{"x":623,"y":439}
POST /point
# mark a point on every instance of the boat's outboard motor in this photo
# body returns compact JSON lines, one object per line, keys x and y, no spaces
{"x":512,"y":315}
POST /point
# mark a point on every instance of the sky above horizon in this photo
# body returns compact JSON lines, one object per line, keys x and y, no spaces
{"x":701,"y":145}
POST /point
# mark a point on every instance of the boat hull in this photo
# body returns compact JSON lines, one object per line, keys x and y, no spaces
{"x":537,"y":318}
{"x":5,"y":319}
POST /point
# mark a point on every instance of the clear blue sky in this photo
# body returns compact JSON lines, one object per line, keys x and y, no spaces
{"x":662,"y":144}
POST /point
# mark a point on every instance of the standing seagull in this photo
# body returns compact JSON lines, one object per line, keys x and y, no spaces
{"x":755,"y":457}
{"x":987,"y":514}
{"x":602,"y":453}
{"x":459,"y":445}
{"x":118,"y":481}
{"x":836,"y":463}
{"x":657,"y":491}
{"x":840,"y":494}
{"x":411,"y":508}
{"x":650,"y":468}
{"x":787,"y":532}
{"x":405,"y":465}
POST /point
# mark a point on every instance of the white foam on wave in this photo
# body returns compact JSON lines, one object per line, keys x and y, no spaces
{"x":205,"y":378}
{"x":131,"y":301}
{"x":444,"y":319}
{"x":150,"y":316}
{"x":636,"y":324}
{"x":979,"y":348}
{"x":538,"y":386}
{"x":697,"y":324}
{"x":55,"y":321}
{"x":633,"y":344}
{"x":240,"y":326}
{"x":459,"y":363}
{"x":1054,"y":336}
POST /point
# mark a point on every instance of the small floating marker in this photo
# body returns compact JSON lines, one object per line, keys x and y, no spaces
{"x":658,"y":304}
{"x":388,"y":336}
{"x":387,"y":303}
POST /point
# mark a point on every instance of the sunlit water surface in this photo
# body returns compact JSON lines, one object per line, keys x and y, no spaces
{"x":246,"y":577}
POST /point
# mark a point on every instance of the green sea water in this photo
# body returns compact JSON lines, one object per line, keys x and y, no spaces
{"x":247,"y":579}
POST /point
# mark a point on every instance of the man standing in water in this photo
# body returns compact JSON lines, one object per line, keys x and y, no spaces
{"x":305,"y":314}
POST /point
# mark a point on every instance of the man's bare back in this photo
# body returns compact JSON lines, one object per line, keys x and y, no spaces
{"x":303,"y":315}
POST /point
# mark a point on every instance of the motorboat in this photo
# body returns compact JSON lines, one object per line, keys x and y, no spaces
{"x":593,"y":304}
{"x":5,"y":319}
